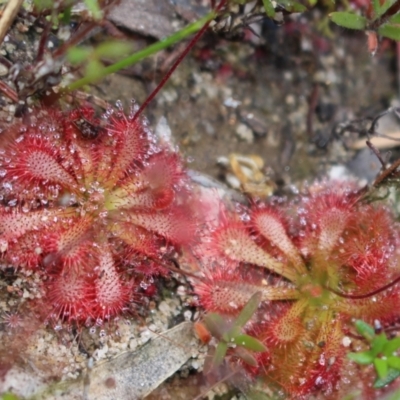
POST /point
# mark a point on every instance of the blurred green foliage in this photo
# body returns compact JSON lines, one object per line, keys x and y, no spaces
{"x":384,"y":19}
{"x":382,"y":354}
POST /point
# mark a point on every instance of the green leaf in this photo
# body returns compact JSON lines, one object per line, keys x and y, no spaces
{"x":94,"y":70}
{"x":365,"y":329}
{"x":146,"y":52}
{"x":298,"y":7}
{"x":249,"y":309}
{"x":269,"y":8}
{"x":349,"y":20}
{"x":390,"y":377}
{"x":391,"y":346}
{"x":390,"y":31}
{"x":42,"y":5}
{"x":249,"y":343}
{"x":381,"y":367}
{"x":65,"y":16}
{"x":361,"y":358}
{"x":246,"y":356}
{"x":93,"y":7}
{"x":113,"y":49}
{"x":9,"y":396}
{"x":378,"y":344}
{"x":215,"y":324}
{"x":77,"y":55}
{"x":385,"y":6}
{"x":293,"y":6}
{"x":395,"y":19}
{"x":376,"y":6}
{"x":394,"y":362}
{"x":219,"y":355}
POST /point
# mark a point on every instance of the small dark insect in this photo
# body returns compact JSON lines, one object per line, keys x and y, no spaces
{"x":88,"y":129}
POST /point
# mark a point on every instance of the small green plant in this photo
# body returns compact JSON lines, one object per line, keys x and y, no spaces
{"x":230,"y":335}
{"x":382,"y":18}
{"x":382,"y":354}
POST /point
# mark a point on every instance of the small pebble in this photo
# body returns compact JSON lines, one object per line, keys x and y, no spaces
{"x":244,"y":133}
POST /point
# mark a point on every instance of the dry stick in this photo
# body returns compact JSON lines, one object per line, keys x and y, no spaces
{"x":377,"y":153}
{"x":8,"y":16}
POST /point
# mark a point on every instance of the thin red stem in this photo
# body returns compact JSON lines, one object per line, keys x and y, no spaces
{"x":364,"y":296}
{"x":7,"y":91}
{"x":176,"y":63}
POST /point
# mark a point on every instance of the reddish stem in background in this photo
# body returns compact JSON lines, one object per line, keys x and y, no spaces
{"x":364,"y":296}
{"x":392,"y":10}
{"x":77,"y":38}
{"x":176,"y":268}
{"x":43,"y":41}
{"x":312,"y":105}
{"x":7,"y":91}
{"x":176,"y":63}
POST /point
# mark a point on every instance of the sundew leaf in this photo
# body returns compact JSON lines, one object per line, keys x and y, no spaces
{"x":363,"y":358}
{"x":365,"y":329}
{"x":348,"y":20}
{"x":381,"y":367}
{"x":390,"y":377}
{"x":390,"y":31}
{"x":269,"y":8}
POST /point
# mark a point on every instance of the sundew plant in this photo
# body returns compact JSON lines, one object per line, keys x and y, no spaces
{"x":297,"y":295}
